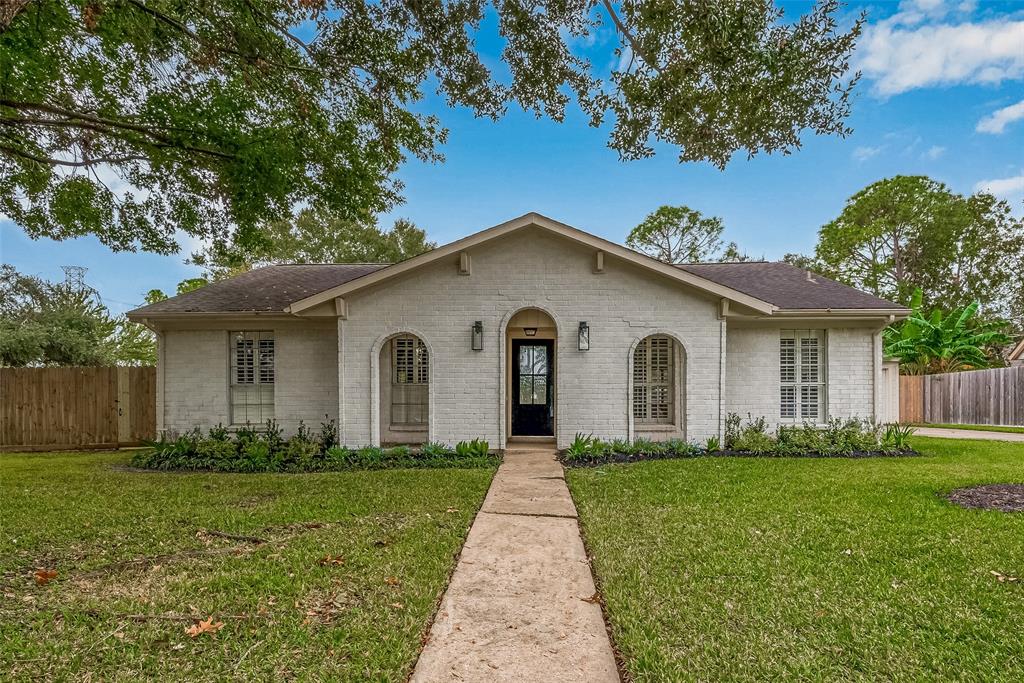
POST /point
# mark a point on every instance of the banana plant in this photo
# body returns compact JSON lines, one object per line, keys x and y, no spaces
{"x":942,"y":342}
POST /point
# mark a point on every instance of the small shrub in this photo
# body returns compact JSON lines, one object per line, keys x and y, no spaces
{"x":732,"y":429}
{"x":328,"y":434}
{"x":434,"y":450}
{"x":581,"y":447}
{"x":219,"y":433}
{"x":477,"y":448}
{"x":897,"y":437}
{"x":712,"y":444}
{"x":680,"y":448}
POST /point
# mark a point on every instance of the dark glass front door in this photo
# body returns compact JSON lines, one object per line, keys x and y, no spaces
{"x":532,"y":399}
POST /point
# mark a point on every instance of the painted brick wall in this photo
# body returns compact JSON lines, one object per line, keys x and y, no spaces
{"x":851,"y":372}
{"x":526,"y":269}
{"x":195,"y":375}
{"x":195,"y":369}
{"x":752,"y":371}
{"x":306,"y":383}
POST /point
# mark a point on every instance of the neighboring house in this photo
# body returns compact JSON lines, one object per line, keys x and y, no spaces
{"x":529,"y":328}
{"x":1016,"y":356}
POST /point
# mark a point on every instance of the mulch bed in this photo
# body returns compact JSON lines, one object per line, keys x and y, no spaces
{"x":1002,"y":497}
{"x":618,"y":458}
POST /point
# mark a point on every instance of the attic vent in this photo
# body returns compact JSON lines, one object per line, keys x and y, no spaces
{"x":810,"y":277}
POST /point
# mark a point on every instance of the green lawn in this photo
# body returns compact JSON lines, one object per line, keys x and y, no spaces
{"x":809,"y":569}
{"x":978,"y":428}
{"x":342,"y":589}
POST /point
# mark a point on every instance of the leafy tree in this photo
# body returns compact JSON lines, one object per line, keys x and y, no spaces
{"x":43,"y":323}
{"x":314,"y":238}
{"x":679,"y":234}
{"x":946,"y":342}
{"x":187,"y":285}
{"x":910,"y":232}
{"x":132,"y":119}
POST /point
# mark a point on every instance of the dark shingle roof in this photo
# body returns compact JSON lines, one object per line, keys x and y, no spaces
{"x":268,"y":289}
{"x":786,"y":286}
{"x":274,"y":288}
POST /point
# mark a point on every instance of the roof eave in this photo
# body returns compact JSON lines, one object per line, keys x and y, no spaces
{"x":896,"y":313}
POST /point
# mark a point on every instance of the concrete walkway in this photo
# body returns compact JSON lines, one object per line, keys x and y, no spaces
{"x":517,"y":606}
{"x":967,"y":434}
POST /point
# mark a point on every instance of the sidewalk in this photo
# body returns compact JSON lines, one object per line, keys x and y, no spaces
{"x":517,"y":606}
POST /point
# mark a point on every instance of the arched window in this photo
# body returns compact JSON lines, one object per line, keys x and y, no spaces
{"x":410,"y":376}
{"x":654,"y":380}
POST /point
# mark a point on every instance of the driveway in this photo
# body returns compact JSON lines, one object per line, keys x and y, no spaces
{"x":520,"y":605}
{"x":967,"y":434}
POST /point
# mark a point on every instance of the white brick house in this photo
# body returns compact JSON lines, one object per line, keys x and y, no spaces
{"x":530,"y":328}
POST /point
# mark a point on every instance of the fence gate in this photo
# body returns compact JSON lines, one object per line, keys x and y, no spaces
{"x":54,"y":408}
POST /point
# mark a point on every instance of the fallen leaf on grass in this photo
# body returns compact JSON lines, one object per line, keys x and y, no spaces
{"x":331,"y":560}
{"x":452,"y":510}
{"x":1003,"y":578}
{"x":44,"y":576}
{"x":392,"y":581}
{"x":205,"y":626}
{"x":398,"y":605}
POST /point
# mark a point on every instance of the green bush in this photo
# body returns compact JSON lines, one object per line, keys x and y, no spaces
{"x":266,"y":450}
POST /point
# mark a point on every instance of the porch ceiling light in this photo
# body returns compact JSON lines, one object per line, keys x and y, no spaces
{"x":530,"y":331}
{"x":478,"y":335}
{"x":584,"y":336}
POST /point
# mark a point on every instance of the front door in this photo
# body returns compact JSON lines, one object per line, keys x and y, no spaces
{"x":532,"y":399}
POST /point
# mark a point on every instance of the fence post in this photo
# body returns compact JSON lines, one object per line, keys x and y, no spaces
{"x":124,"y":406}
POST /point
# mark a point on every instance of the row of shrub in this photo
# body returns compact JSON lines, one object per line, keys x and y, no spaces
{"x":839,"y":438}
{"x":267,"y":450}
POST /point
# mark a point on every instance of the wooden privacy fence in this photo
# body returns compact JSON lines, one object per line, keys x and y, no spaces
{"x":53,"y":408}
{"x":982,"y":397}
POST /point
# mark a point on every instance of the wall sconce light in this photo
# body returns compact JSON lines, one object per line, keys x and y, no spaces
{"x":584,"y":336}
{"x":530,"y":331}
{"x":478,"y":335}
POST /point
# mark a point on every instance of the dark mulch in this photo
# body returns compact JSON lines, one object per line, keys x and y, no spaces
{"x":1003,"y":497}
{"x":617,"y":458}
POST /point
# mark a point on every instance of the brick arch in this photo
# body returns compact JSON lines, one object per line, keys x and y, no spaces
{"x":502,"y":355}
{"x":375,"y":398}
{"x":680,"y":380}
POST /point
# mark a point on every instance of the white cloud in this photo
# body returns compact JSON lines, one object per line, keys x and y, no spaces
{"x":864,"y":153}
{"x":934,"y":152}
{"x":910,"y":50}
{"x":997,"y":121}
{"x":1006,"y":188}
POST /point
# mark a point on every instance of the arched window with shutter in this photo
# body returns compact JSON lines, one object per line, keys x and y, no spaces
{"x":654,"y":380}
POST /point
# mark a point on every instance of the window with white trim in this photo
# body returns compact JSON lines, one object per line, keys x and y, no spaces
{"x":654,"y":380}
{"x":802,"y":375}
{"x":252,"y":376}
{"x":410,"y":377}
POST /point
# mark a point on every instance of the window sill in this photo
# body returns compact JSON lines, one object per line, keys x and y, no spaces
{"x":407,"y":428}
{"x":655,"y":428}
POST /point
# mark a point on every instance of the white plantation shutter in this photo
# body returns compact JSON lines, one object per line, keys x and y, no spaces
{"x":802,"y":375}
{"x":409,"y":380}
{"x":252,"y":377}
{"x":654,"y":380}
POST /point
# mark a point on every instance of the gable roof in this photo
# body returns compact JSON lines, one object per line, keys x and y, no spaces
{"x":536,"y":220}
{"x":765,"y":287}
{"x":264,"y":290}
{"x":788,"y":287}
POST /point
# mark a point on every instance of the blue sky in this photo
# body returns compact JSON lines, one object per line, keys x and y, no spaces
{"x":942,"y":95}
